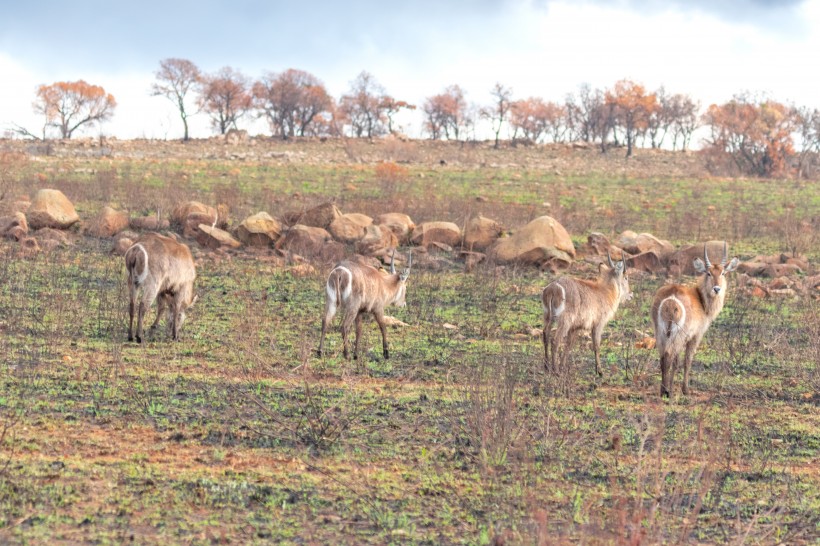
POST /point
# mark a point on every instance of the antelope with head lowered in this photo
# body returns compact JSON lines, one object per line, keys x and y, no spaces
{"x":356,"y":288}
{"x":163,"y":270}
{"x":682,"y":314}
{"x":576,"y":305}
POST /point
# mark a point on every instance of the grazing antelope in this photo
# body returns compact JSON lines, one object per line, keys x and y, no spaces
{"x":356,"y":288}
{"x":164,"y":270}
{"x":682,"y":314}
{"x":576,"y":304}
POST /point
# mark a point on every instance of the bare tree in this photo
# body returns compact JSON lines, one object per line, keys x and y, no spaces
{"x":176,"y":78}
{"x":499,"y":112}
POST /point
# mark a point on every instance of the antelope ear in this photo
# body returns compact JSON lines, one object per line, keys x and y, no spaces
{"x":700,"y":267}
{"x":732,"y":265}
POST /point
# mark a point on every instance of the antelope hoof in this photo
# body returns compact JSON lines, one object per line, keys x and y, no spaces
{"x":130,"y":338}
{"x":685,"y":389}
{"x":319,"y":353}
{"x":386,"y":355}
{"x":664,"y":392}
{"x":139,"y":339}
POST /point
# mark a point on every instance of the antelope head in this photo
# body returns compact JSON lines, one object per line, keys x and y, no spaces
{"x":714,"y":280}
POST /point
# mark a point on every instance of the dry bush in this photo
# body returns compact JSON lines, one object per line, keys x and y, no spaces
{"x":485,"y":421}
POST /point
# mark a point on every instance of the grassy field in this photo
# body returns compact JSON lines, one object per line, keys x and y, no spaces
{"x":240,"y":434}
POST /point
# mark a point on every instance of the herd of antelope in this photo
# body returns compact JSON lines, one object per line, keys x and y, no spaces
{"x":163,"y":270}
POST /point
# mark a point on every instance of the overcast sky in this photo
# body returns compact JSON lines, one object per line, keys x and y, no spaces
{"x":709,"y":49}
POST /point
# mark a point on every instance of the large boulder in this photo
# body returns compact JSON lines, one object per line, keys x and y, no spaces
{"x":681,"y":262}
{"x":108,"y":223}
{"x":213,"y":238}
{"x":377,"y":240}
{"x":305,"y":240}
{"x":640,"y":243}
{"x":259,"y":229}
{"x":149,"y":223}
{"x":399,"y":223}
{"x":597,"y":245}
{"x":437,"y":232}
{"x":319,"y":216}
{"x":480,"y":233}
{"x":188,"y":216}
{"x":14,"y":226}
{"x":544,"y":241}
{"x":51,"y":209}
{"x":349,"y":228}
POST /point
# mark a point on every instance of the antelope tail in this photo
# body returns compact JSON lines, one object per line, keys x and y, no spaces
{"x":671,"y":316}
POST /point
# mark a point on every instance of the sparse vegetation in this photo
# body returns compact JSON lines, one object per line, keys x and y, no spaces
{"x":240,"y":434}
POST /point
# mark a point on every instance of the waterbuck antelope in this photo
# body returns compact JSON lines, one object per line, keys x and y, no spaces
{"x":356,"y":288}
{"x":575,"y":305}
{"x":682,"y":314}
{"x":163,"y":270}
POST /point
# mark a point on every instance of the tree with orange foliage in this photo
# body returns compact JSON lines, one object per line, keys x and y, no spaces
{"x":175,"y":79}
{"x":446,"y":114}
{"x":391,"y":107}
{"x":537,"y":119}
{"x":632,"y":108}
{"x":70,"y":105}
{"x":755,"y":133}
{"x":226,"y":97}
{"x":292,"y":101}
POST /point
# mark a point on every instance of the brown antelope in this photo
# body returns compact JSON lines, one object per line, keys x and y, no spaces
{"x":576,"y":304}
{"x":356,"y":288}
{"x":682,"y":314}
{"x":164,"y":270}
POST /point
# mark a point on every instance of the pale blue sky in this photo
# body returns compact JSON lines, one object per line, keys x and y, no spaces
{"x":545,"y":48}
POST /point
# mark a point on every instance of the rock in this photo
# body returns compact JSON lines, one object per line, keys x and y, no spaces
{"x":319,"y":216}
{"x":400,"y":224}
{"x":471,"y":259}
{"x":188,"y":216}
{"x":349,"y":228}
{"x":51,"y":209}
{"x":680,"y":262}
{"x":644,"y":242}
{"x":781,"y":282}
{"x":259,"y":230}
{"x":438,"y":232}
{"x":441,"y":247}
{"x":190,"y":229}
{"x":597,"y":245}
{"x":480,"y":233}
{"x":58,"y":237}
{"x":29,"y":246}
{"x":377,"y":241}
{"x":149,"y":223}
{"x":14,"y":226}
{"x":544,"y":241}
{"x":306,"y":240}
{"x":301,"y":270}
{"x":213,"y":238}
{"x":781,"y":270}
{"x":108,"y":223}
{"x":121,"y":245}
{"x":21,"y":205}
{"x":754,"y":269}
{"x":648,"y":262}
